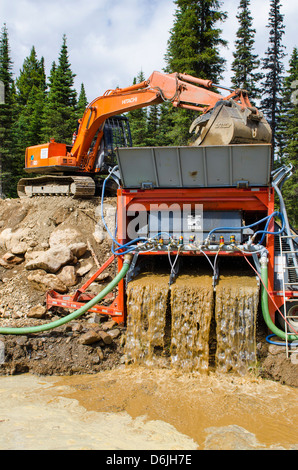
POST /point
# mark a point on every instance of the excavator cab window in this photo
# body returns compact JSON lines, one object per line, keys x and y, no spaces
{"x":116,"y":134}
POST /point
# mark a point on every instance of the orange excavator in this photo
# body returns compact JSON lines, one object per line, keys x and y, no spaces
{"x":73,"y":170}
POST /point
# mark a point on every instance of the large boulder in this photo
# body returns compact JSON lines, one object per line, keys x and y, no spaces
{"x":16,"y":242}
{"x":43,"y":281}
{"x":64,"y":236}
{"x":50,"y":260}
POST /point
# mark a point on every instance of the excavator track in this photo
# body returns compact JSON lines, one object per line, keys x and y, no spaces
{"x":51,"y":185}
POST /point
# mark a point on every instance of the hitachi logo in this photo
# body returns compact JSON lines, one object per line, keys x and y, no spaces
{"x":130,"y":100}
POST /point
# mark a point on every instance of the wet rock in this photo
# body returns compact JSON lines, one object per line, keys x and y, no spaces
{"x":102,"y":335}
{"x":38,"y":311}
{"x":51,"y":260}
{"x":100,"y":353}
{"x":90,"y":337}
{"x":76,"y":327}
{"x":106,"y":337}
{"x":108,"y":325}
{"x":114,"y":333}
{"x":231,"y":437}
{"x":43,"y":281}
{"x":96,"y":318}
{"x":274,"y":350}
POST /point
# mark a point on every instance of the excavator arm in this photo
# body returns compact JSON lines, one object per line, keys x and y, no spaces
{"x":222,"y":120}
{"x":181,"y":90}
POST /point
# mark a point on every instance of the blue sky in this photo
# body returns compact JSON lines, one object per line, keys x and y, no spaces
{"x":109,"y":42}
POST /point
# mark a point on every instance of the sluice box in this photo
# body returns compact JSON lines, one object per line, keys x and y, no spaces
{"x":189,"y":167}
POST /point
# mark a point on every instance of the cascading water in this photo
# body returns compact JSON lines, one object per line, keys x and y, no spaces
{"x":147,"y":306}
{"x":170,"y":325}
{"x":192,"y":307}
{"x":235,"y":315}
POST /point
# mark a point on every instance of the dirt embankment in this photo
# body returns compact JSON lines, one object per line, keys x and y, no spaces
{"x":58,"y":243}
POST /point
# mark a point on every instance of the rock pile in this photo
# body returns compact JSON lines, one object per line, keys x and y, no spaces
{"x":51,"y":243}
{"x":55,"y":243}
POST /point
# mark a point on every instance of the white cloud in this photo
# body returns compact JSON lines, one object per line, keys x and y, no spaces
{"x":109,"y":42}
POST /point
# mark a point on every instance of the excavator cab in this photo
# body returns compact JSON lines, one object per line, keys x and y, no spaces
{"x":60,"y":173}
{"x":116,"y":134}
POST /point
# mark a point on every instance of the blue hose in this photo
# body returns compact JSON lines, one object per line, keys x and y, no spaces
{"x":274,"y":342}
{"x":267,"y":218}
{"x":272,"y":233}
{"x":120,"y":247}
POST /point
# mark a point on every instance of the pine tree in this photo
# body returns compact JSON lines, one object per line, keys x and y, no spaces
{"x":246,"y":63}
{"x":31,"y":75}
{"x":138,"y":120}
{"x":194,"y":48}
{"x":60,"y":117}
{"x":30,"y":99}
{"x":165,"y":125}
{"x":152,"y":128}
{"x":288,"y":135}
{"x":273,"y":66}
{"x":82,"y":102}
{"x":6,"y":116}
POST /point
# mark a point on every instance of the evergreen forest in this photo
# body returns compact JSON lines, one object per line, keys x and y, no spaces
{"x":35,"y":107}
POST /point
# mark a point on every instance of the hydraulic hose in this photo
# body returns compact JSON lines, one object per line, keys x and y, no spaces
{"x":277,"y":343}
{"x":267,"y":218}
{"x":265,"y":308}
{"x":76,"y":313}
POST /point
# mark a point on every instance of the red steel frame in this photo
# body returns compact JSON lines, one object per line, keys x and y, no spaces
{"x":254,"y":200}
{"x":259,"y":200}
{"x":116,"y":309}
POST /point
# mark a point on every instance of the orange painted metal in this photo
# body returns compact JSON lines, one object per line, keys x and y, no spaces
{"x":188,"y":93}
{"x":258,"y":202}
{"x":116,"y":309}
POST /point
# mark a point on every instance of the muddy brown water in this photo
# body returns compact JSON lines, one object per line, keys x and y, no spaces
{"x":167,"y":397}
{"x":145,"y":408}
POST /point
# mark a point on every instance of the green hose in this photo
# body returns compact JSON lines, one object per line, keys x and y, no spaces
{"x":265,"y":308}
{"x":76,"y":313}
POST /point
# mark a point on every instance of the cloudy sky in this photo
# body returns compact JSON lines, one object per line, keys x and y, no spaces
{"x":110,"y":41}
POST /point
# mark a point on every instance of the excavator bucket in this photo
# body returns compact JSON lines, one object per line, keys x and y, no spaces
{"x":229,"y":123}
